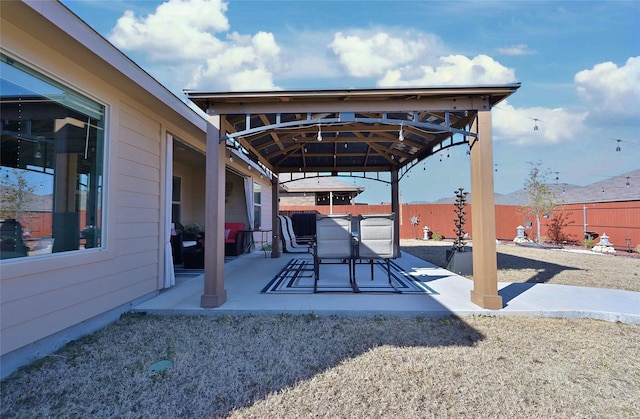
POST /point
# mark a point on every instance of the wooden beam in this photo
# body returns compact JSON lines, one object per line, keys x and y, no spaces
{"x":214,"y":294}
{"x":485,"y":261}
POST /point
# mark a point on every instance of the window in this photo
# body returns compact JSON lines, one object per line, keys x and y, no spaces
{"x":51,"y":165}
{"x":257,"y":206}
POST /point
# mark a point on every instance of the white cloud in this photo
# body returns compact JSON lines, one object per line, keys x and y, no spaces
{"x":372,"y":54}
{"x":233,"y":68}
{"x":190,"y":39}
{"x":257,"y":79}
{"x":451,"y":70}
{"x":610,"y":89}
{"x":557,"y":125}
{"x":178,"y":30}
{"x":520,"y":49}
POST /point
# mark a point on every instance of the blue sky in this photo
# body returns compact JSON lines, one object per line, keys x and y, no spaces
{"x":578,"y":62}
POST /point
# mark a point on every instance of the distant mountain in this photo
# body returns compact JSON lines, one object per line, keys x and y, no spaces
{"x":624,"y":187}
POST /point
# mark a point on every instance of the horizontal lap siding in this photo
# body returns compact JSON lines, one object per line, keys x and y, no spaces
{"x":80,"y":286}
{"x":137,"y":215}
{"x":64,"y":316}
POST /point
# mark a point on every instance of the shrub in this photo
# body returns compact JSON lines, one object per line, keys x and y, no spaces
{"x":436,"y":236}
{"x":556,"y":226}
{"x":589,"y":243}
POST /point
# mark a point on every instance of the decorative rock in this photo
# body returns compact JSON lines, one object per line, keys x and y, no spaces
{"x":603,"y":249}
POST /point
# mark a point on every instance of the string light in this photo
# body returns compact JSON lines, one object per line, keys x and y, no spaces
{"x":400,"y":134}
{"x":618,"y":146}
{"x":535,"y":123}
{"x":319,"y":137}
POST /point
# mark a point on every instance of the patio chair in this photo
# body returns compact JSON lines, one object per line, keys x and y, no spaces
{"x":376,"y":234}
{"x":289,"y":243}
{"x":333,"y":242}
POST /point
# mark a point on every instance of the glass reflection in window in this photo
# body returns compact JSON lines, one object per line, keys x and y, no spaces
{"x":51,"y":164}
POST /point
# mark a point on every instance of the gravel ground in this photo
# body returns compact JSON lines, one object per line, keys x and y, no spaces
{"x":310,"y":366}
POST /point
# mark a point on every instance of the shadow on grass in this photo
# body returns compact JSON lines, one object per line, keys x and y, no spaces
{"x":219,"y":363}
{"x":434,"y":254}
{"x":545,"y":271}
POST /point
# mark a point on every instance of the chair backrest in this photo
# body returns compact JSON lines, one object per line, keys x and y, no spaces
{"x":333,"y":236}
{"x":284,"y":228}
{"x":376,"y":236}
{"x":292,"y":233}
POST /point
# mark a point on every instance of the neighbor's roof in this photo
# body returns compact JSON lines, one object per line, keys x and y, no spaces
{"x":318,"y":184}
{"x":613,"y":189}
{"x":349,"y":130}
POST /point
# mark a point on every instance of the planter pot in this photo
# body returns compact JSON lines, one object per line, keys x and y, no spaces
{"x":460,"y":263}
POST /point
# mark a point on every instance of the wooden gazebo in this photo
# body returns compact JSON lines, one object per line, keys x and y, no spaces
{"x":342,"y":132}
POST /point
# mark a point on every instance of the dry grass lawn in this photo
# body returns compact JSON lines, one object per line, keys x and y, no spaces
{"x":309,"y":366}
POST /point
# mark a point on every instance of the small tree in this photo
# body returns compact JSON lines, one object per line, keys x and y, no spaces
{"x":17,"y":196}
{"x":541,"y":197}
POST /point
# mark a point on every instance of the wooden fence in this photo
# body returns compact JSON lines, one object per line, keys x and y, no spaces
{"x":619,"y":220}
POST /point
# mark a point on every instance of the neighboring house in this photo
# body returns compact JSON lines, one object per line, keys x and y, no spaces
{"x":117,"y":153}
{"x":310,"y":191}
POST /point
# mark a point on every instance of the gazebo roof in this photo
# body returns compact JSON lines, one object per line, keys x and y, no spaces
{"x":351,"y":130}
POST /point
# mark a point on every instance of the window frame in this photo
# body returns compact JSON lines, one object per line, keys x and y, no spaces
{"x":78,"y":101}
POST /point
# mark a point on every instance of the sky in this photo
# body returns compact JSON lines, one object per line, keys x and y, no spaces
{"x":578,"y":62}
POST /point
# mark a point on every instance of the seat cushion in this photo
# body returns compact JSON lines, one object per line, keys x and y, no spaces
{"x":233,"y":228}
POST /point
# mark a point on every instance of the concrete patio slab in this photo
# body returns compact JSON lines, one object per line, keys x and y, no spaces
{"x":247,"y":275}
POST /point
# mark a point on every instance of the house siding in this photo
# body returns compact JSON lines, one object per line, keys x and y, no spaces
{"x":42,"y":297}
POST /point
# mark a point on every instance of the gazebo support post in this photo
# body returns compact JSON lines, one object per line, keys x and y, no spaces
{"x":275,"y":221}
{"x":214,"y":294}
{"x":483,"y":217}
